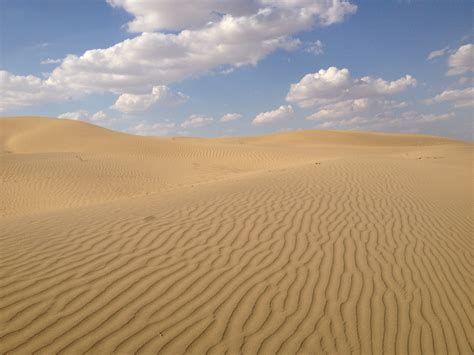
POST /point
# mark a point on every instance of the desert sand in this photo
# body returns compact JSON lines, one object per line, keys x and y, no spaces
{"x":303,"y":242}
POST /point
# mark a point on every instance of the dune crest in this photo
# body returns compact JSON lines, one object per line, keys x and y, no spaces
{"x":304,"y":242}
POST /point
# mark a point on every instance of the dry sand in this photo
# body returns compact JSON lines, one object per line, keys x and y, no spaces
{"x":303,"y":242}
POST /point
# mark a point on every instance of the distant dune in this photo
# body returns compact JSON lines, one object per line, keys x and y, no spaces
{"x":302,"y":242}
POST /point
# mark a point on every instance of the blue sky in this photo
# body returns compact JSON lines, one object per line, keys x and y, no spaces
{"x":270,"y":65}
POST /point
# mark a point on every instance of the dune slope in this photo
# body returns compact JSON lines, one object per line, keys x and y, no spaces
{"x":304,"y":242}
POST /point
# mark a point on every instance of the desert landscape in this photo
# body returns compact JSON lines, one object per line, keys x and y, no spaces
{"x":301,"y":242}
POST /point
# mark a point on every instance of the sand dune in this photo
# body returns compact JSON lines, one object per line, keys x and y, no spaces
{"x":305,"y":242}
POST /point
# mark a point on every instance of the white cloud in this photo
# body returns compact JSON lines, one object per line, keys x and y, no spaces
{"x":351,"y":108}
{"x":212,"y":35}
{"x":76,"y":115}
{"x":150,"y":59}
{"x":406,"y":121}
{"x":334,"y":85}
{"x":280,"y":114}
{"x":151,"y":15}
{"x":343,"y":101}
{"x":354,"y":122}
{"x":341,"y":109}
{"x":153,"y":129}
{"x":315,"y":48}
{"x":461,"y":62}
{"x":231,"y":117}
{"x":99,"y":118}
{"x":159,"y":95}
{"x":427,"y":118}
{"x":195,"y":121}
{"x":51,"y":61}
{"x":438,"y":53}
{"x":411,"y":119}
{"x":459,"y":98}
{"x":21,"y":91}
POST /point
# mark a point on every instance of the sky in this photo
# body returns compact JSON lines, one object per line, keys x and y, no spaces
{"x":241,"y":67}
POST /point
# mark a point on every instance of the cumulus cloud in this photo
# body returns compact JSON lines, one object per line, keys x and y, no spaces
{"x":153,"y":129}
{"x":461,"y":61}
{"x":208,"y":35}
{"x":151,"y":59}
{"x":100,"y":117}
{"x":196,"y":121}
{"x":459,"y":98}
{"x":341,"y":109}
{"x":280,"y":114}
{"x":406,"y":121}
{"x":152,"y":15}
{"x":159,"y":95}
{"x":230,"y":117}
{"x":350,"y":108}
{"x":438,"y":53}
{"x":136,"y":65}
{"x":410,"y":119}
{"x":21,"y":91}
{"x":343,"y":101}
{"x":75,"y":115}
{"x":335,"y":85}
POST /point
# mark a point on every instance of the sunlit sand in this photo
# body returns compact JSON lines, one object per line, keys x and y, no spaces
{"x":300,"y":242}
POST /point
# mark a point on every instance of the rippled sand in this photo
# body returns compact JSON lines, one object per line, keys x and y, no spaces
{"x":304,"y":242}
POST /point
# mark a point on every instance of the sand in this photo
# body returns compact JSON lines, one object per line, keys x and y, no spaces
{"x":304,"y":242}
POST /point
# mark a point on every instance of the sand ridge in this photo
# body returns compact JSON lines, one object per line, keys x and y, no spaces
{"x":289,"y":243}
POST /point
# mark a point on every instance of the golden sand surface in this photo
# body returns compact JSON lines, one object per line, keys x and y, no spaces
{"x":304,"y":242}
